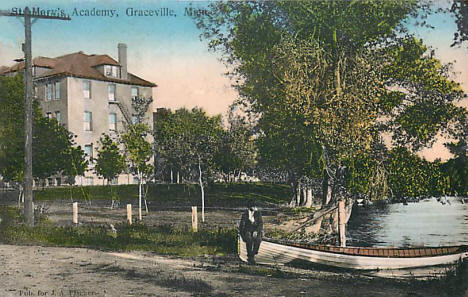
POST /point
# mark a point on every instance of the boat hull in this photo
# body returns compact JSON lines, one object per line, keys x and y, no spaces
{"x":272,"y":253}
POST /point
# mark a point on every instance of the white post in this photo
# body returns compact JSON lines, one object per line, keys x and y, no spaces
{"x":75,"y":212}
{"x":194,"y":219}
{"x":342,"y":222}
{"x":129,"y":214}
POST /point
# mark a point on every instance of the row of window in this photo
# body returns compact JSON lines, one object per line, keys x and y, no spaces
{"x":53,"y":91}
{"x":110,"y":91}
{"x":88,"y":121}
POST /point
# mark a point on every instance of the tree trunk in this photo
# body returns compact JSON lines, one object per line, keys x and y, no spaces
{"x":178,"y":177}
{"x":304,"y":196}
{"x":298,"y":194}
{"x":144,"y":197}
{"x":139,"y":196}
{"x":172,"y":177}
{"x":202,"y":190}
{"x":309,"y":197}
{"x":20,"y":196}
{"x":349,"y":209}
{"x":327,"y":189}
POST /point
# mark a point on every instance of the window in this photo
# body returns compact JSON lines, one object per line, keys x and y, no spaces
{"x":49,"y":115}
{"x":89,"y":181}
{"x":49,"y":88}
{"x":112,"y":121}
{"x":110,"y":70}
{"x":57,"y":90}
{"x":86,"y":89}
{"x":88,"y":150}
{"x":50,"y":182}
{"x":58,"y":116}
{"x":111,"y":91}
{"x":88,"y":117}
{"x":134,"y":92}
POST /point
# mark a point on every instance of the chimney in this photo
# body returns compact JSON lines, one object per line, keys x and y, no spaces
{"x":122,"y":47}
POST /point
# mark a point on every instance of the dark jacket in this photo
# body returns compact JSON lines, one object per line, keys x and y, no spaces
{"x":247,"y":228}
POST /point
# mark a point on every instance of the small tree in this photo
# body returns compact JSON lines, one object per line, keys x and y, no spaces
{"x":76,"y":165}
{"x":202,"y":134}
{"x":109,"y":163}
{"x":138,"y":152}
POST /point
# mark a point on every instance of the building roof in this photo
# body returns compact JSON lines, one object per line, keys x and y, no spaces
{"x":78,"y":65}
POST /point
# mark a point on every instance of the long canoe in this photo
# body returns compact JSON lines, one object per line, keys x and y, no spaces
{"x":363,"y":258}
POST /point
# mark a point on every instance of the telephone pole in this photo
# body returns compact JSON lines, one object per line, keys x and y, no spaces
{"x":28,"y":106}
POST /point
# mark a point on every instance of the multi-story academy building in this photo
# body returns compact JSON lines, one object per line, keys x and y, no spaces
{"x":89,"y":95}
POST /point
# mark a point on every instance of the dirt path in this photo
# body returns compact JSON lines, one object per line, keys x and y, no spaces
{"x":76,"y":272}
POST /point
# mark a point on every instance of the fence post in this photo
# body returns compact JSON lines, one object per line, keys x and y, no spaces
{"x":342,"y":222}
{"x":75,"y":212}
{"x":129,"y":214}
{"x":194,"y":219}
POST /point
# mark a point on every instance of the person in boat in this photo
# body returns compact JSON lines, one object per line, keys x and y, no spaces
{"x":251,"y":230}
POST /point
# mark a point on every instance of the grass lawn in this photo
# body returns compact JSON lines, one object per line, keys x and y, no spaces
{"x":163,"y":240}
{"x":221,"y":195}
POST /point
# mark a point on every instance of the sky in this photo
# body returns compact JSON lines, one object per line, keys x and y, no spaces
{"x":167,"y":50}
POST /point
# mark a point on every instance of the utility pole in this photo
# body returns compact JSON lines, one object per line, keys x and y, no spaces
{"x":28,"y":106}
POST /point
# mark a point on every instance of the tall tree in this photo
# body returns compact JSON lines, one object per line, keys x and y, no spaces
{"x":348,"y":69}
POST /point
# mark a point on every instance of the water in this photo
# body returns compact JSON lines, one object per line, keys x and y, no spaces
{"x":427,"y":223}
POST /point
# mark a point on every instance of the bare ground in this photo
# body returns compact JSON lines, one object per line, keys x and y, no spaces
{"x":51,"y":271}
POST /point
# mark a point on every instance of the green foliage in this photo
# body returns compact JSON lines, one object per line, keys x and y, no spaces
{"x":456,"y":173}
{"x":298,"y":151}
{"x":53,"y":149}
{"x":237,"y":150}
{"x":411,"y":176}
{"x":109,"y":162}
{"x":424,"y":106}
{"x":219,"y":195}
{"x":138,"y":149}
{"x":334,"y":75}
{"x":186,"y":139}
{"x":75,"y":164}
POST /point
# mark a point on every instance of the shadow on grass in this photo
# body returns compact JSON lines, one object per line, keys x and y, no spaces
{"x":174,"y":282}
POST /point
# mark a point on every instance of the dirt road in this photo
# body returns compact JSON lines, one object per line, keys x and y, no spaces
{"x":76,"y":272}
